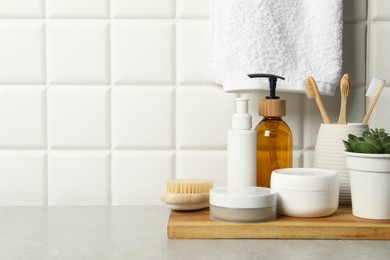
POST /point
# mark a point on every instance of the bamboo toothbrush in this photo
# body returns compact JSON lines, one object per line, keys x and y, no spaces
{"x":373,"y":91}
{"x":344,"y":89}
{"x":313,"y":92}
{"x":187,"y":194}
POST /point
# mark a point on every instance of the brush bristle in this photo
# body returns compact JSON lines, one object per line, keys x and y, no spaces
{"x":373,"y":88}
{"x":309,"y":87}
{"x":345,"y":84}
{"x":189,"y":186}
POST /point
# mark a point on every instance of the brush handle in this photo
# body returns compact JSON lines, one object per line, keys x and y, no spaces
{"x":321,"y":107}
{"x":373,"y":103}
{"x":343,"y":114}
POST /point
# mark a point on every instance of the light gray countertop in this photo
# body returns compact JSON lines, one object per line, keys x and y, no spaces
{"x":141,"y":233}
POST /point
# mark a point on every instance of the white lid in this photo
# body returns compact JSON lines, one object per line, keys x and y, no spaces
{"x":242,"y":120}
{"x":305,"y":179}
{"x":242,"y":197}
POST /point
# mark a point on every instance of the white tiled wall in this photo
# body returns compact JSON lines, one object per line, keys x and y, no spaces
{"x":379,"y":57}
{"x":102,"y":101}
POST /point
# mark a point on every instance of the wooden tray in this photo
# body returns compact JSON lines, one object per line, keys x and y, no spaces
{"x":341,"y":225}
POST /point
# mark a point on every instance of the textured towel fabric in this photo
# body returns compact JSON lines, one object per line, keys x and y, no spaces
{"x":290,"y":38}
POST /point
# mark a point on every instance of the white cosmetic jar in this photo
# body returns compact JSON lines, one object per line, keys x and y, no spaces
{"x":306,"y":192}
{"x":242,"y":204}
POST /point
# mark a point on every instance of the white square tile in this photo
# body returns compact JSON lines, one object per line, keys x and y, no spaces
{"x":380,"y":116}
{"x":202,"y":165}
{"x":193,"y":52}
{"x":354,"y":52}
{"x":204,"y":116}
{"x":77,"y":8}
{"x":191,"y":9}
{"x":294,"y":118}
{"x":144,"y":9}
{"x":22,"y":9}
{"x":22,"y":52}
{"x":355,"y":10}
{"x":22,"y":178}
{"x":22,"y":117}
{"x":143,"y":52}
{"x":308,"y":157}
{"x":78,"y":52}
{"x":379,"y":10}
{"x":139,"y":177}
{"x":379,"y":51}
{"x":78,"y":117}
{"x":297,"y":159}
{"x":143,"y":117}
{"x":78,"y":178}
{"x":355,"y":104}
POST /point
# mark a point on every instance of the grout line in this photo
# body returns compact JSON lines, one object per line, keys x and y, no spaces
{"x":109,"y":7}
{"x":109,"y":129}
{"x":46,"y":108}
{"x":367,"y":58}
{"x":109,"y":180}
{"x":110,"y":107}
{"x":175,"y":119}
{"x":46,"y":180}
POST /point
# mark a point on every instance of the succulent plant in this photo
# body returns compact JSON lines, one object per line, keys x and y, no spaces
{"x":373,"y":141}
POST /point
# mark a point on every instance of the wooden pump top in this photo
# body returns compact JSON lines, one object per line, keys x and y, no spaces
{"x":272,"y":107}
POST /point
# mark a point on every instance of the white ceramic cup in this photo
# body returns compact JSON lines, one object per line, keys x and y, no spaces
{"x":328,"y":153}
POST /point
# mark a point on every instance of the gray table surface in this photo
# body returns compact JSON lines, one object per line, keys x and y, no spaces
{"x":141,"y":233}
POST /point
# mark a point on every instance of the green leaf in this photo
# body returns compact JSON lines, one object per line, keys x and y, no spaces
{"x":353,"y":138}
{"x":386,"y":140}
{"x":365,"y":148}
{"x":387,"y":149}
{"x":347,"y":147}
{"x":371,"y":140}
{"x":352,"y":145}
{"x":380,"y":148}
{"x":366,"y":133}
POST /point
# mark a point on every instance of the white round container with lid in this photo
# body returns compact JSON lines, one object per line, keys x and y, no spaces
{"x":242,"y":204}
{"x":306,"y":192}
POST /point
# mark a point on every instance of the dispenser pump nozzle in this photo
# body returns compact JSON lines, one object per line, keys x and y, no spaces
{"x":242,"y":119}
{"x":271,"y":105}
{"x":272,"y":83}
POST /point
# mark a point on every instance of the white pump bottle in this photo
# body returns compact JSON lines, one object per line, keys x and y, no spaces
{"x":241,"y":148}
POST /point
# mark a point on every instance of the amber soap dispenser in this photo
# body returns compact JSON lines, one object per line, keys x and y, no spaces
{"x":274,"y":137}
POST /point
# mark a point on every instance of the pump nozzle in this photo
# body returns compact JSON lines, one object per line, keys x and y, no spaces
{"x":242,"y":119}
{"x":272,"y":83}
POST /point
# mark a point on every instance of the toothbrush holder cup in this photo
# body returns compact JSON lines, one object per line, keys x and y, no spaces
{"x":328,"y":153}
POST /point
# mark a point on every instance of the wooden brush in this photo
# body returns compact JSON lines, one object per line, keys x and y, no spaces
{"x":373,"y":91}
{"x":187,"y":194}
{"x":344,"y":89}
{"x":313,"y":92}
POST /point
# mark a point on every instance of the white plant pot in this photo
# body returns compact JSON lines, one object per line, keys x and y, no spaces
{"x":328,"y":153}
{"x":370,"y":184}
